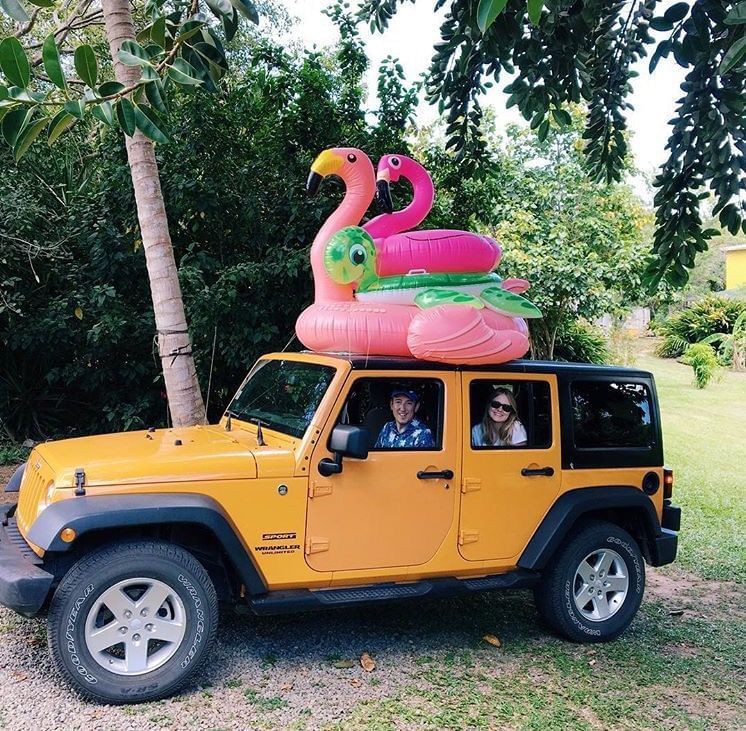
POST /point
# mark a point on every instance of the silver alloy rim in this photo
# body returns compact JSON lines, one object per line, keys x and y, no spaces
{"x":135,"y":626}
{"x":601,"y":585}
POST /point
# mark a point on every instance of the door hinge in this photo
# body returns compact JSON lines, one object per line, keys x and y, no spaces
{"x":467,"y":536}
{"x":471,"y":484}
{"x":319,"y":490}
{"x":317,"y":545}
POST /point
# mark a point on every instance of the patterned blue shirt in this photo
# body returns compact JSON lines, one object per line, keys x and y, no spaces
{"x":415,"y":435}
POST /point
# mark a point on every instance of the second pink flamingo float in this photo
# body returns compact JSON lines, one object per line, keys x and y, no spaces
{"x":454,"y":317}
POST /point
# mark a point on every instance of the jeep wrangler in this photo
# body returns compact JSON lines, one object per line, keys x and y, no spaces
{"x":129,"y":541}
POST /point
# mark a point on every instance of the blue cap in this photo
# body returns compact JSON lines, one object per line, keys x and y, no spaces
{"x":411,"y":395}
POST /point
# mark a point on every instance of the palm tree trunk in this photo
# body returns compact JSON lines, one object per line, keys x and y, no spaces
{"x":180,"y":375}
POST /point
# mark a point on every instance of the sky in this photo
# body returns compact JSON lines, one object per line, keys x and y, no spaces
{"x":414,"y":30}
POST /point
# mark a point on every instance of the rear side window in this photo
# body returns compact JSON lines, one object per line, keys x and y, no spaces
{"x":611,"y":415}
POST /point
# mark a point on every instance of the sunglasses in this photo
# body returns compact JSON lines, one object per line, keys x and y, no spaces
{"x":507,"y":408}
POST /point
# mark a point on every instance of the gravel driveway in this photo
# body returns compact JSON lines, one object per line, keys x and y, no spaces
{"x":299,"y":671}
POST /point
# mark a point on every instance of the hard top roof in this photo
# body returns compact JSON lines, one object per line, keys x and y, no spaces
{"x":379,"y":362}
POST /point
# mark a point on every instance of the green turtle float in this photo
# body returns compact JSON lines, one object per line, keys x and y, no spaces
{"x":350,"y":258}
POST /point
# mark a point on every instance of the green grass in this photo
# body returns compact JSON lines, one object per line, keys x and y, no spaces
{"x":704,"y":438}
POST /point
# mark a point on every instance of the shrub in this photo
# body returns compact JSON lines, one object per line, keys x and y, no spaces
{"x":701,"y":357}
{"x":12,"y":453}
{"x":706,"y":317}
{"x":581,"y":342}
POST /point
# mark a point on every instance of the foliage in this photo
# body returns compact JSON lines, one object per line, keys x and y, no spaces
{"x":701,"y":357}
{"x":179,"y":46}
{"x":731,"y":347}
{"x":700,"y":320}
{"x":76,"y":329}
{"x":12,"y":453}
{"x":561,"y":53}
{"x":580,"y":342}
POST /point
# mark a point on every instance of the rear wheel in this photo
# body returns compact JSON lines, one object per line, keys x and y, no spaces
{"x":132,"y":622}
{"x":592,"y":588}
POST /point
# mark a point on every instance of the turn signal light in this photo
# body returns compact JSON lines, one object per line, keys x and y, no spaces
{"x":667,"y":483}
{"x":68,"y":535}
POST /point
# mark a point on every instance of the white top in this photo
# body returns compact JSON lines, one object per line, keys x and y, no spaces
{"x":517,"y":436}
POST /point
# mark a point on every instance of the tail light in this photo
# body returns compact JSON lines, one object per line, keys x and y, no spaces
{"x":667,"y":483}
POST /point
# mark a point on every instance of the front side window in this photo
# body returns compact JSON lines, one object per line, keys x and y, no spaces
{"x":398,"y":413}
{"x":510,"y":414}
{"x":282,"y":395}
{"x":611,"y":415}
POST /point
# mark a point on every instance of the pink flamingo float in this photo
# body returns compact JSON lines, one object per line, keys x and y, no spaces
{"x":428,"y":316}
{"x":401,"y":249}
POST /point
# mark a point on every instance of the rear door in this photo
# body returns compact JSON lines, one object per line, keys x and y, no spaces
{"x":507,"y":489}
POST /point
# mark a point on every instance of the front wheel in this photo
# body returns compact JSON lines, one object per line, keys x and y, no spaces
{"x":592,"y":588}
{"x":131,"y":622}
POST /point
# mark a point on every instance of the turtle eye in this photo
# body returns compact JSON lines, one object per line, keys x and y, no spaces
{"x":358,"y":255}
{"x":352,"y":158}
{"x":395,"y":162}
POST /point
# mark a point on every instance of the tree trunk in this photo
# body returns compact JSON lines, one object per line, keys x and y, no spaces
{"x":174,"y":347}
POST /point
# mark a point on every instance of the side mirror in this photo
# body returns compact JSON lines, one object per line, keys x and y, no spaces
{"x":345,"y":441}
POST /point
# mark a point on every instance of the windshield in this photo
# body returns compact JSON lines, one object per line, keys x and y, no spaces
{"x":282,"y":395}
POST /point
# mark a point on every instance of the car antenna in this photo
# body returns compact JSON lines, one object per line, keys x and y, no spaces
{"x":259,"y":434}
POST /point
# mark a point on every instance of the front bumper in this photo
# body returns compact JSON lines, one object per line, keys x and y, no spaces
{"x":24,"y":585}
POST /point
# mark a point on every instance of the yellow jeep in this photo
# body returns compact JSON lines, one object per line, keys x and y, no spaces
{"x":319,"y":489}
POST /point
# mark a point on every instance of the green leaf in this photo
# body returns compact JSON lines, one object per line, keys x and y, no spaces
{"x":488,"y":11}
{"x":126,"y":116}
{"x":14,"y":123}
{"x":543,"y":130}
{"x":60,"y":122}
{"x":158,"y":31}
{"x":3,"y":93}
{"x":42,"y":3}
{"x":219,"y":7}
{"x":15,"y":10}
{"x":733,"y":56}
{"x":86,"y":64}
{"x":147,"y":122}
{"x":230,"y":25}
{"x":133,"y":54}
{"x":27,"y":137}
{"x":109,"y":88}
{"x":737,"y":15}
{"x":190,"y":28}
{"x":661,"y":24}
{"x":13,"y":62}
{"x":676,"y":12}
{"x":51,"y":57}
{"x":104,"y":112}
{"x":24,"y":95}
{"x":156,"y":94}
{"x":562,"y":117}
{"x":247,"y":9}
{"x":183,"y":73}
{"x":534,"y":10}
{"x":76,"y":107}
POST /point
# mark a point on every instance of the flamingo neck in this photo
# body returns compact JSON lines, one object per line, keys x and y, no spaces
{"x":415,"y":213}
{"x":360,"y":189}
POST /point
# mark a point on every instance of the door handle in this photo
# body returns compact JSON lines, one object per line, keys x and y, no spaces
{"x":441,"y":475}
{"x":538,"y":472}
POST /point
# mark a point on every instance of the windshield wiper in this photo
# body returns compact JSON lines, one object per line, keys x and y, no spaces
{"x":229,"y":422}
{"x":259,"y":434}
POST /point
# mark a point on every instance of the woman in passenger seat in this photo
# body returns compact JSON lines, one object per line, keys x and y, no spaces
{"x":500,"y":426}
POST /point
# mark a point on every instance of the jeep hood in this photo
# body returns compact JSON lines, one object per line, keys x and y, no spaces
{"x":190,"y":454}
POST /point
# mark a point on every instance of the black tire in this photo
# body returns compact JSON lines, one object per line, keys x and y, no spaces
{"x":567,"y":576}
{"x":85,"y":603}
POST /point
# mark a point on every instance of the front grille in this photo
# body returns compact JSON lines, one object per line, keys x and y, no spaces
{"x":33,"y":490}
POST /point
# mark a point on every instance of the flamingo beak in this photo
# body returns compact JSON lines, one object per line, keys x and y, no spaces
{"x":383,"y":195}
{"x":327,"y":163}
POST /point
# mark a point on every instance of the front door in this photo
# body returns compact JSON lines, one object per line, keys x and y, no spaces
{"x":512,"y":464}
{"x":396,"y":507}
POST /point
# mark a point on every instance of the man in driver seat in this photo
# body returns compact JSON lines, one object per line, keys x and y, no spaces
{"x":404,"y":432}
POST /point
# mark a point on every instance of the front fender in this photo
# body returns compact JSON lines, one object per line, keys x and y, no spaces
{"x":96,"y":513}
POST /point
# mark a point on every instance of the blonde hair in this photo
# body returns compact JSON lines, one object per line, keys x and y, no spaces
{"x":499,"y":433}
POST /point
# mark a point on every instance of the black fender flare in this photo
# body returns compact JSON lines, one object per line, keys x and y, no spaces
{"x":99,"y":512}
{"x":572,"y":505}
{"x":14,"y":484}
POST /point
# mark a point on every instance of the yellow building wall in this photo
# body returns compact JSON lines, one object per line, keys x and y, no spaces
{"x":735,"y":268}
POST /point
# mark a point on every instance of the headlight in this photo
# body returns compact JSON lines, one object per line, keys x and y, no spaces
{"x":48,"y":495}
